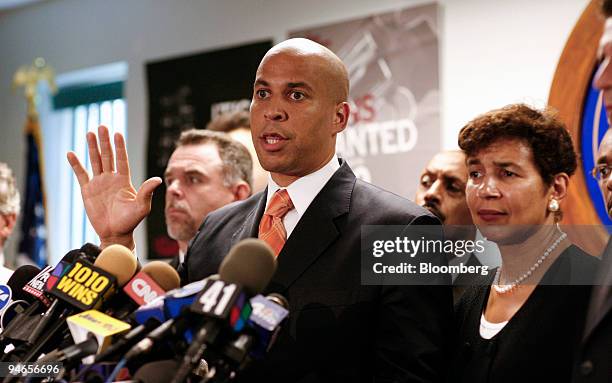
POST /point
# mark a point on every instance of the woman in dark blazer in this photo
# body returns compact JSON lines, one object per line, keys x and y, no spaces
{"x":523,"y":321}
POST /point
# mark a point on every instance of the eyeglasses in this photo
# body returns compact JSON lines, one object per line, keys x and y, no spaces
{"x":601,"y":172}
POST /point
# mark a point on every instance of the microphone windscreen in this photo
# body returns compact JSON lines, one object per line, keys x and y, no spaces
{"x":90,"y":250}
{"x":161,"y":371}
{"x":163,"y":274}
{"x":72,"y":256}
{"x":20,"y":278}
{"x":119,"y":261}
{"x":250,"y":263}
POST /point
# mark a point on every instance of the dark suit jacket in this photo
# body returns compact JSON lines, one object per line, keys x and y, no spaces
{"x":594,"y":359}
{"x":174,"y":262}
{"x":538,"y":343}
{"x":338,"y":330}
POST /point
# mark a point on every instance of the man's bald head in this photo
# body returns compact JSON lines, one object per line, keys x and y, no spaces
{"x":330,"y":67}
{"x":298,"y":107}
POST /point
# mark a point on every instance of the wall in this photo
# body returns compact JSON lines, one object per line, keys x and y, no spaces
{"x":494,"y":52}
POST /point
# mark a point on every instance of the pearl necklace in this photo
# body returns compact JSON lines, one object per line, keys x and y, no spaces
{"x":512,"y":285}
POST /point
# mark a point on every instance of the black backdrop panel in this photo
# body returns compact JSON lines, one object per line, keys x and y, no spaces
{"x":182,"y":92}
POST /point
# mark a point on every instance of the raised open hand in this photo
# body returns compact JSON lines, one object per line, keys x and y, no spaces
{"x":112,"y":204}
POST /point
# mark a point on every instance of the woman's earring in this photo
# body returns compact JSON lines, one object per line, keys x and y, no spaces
{"x":553,"y":205}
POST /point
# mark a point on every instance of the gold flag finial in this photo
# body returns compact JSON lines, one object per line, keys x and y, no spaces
{"x":28,"y":76}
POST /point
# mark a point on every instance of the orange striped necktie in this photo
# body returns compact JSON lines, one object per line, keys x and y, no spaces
{"x":271,"y":228}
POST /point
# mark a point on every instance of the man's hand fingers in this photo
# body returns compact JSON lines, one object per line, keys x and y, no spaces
{"x":145,"y":192}
{"x":123,"y":165}
{"x":108,"y":158}
{"x":79,"y":170}
{"x":94,"y":153}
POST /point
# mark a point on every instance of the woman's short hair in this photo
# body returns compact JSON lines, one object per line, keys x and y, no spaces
{"x":549,"y":140}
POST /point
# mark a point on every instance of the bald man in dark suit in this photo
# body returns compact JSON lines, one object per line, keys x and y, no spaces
{"x":340,"y":330}
{"x":594,"y":357}
{"x":594,"y":360}
{"x":312,"y":214}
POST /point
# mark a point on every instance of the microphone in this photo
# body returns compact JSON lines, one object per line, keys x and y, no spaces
{"x":91,"y":328}
{"x":91,"y":251}
{"x":127,"y":340}
{"x":79,"y":286}
{"x":266,"y":319}
{"x":19,"y":279}
{"x":36,"y":286}
{"x":164,"y":275}
{"x":151,"y":282}
{"x":253,"y":342}
{"x":250,"y":263}
{"x":246,"y":270}
{"x":14,"y":300}
{"x":86,"y":286}
{"x":92,"y":331}
{"x":268,"y":314}
{"x":169,"y":313}
{"x":119,"y":261}
{"x":22,"y":327}
{"x":28,"y":323}
{"x":221,"y":305}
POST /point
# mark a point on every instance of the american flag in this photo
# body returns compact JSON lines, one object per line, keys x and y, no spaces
{"x":33,"y":234}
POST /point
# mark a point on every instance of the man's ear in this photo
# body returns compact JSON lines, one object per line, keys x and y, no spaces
{"x":241,"y":190}
{"x":9,"y":223}
{"x":341,"y":117}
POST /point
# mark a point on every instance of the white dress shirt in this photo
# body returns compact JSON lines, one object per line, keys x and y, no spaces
{"x":302,"y":191}
{"x":5,"y":272}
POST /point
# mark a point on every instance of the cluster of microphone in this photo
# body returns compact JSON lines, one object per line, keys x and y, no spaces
{"x":102,"y":317}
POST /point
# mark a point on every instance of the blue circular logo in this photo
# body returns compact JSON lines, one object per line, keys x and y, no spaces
{"x":594,"y":126}
{"x":5,"y":296}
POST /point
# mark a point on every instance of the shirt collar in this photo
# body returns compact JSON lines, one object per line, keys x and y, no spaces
{"x":303,"y":190}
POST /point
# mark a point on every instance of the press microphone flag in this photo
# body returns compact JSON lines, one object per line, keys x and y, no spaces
{"x":93,"y":323}
{"x":36,"y":286}
{"x":222,"y":300}
{"x":152,"y":282}
{"x":84,"y":285}
{"x":266,"y":319}
{"x":244,"y":272}
{"x":48,"y":276}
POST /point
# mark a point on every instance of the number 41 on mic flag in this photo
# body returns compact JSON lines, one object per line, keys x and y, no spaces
{"x":224,"y":300}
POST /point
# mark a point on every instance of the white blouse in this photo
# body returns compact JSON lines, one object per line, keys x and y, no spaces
{"x":488,"y":330}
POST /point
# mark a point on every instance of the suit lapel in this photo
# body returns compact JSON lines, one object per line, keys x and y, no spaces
{"x":316,"y":230}
{"x":250,"y":226}
{"x":606,"y":287}
{"x":601,"y":297}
